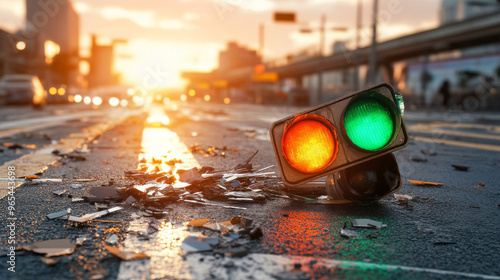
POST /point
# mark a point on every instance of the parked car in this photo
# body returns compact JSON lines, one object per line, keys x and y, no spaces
{"x":22,"y":89}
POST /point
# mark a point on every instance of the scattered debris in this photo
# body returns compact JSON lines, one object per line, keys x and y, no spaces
{"x":367,"y":223}
{"x":100,"y":206}
{"x":59,"y":214}
{"x":50,"y":261}
{"x":374,"y":235}
{"x":112,"y":239}
{"x":198,"y":223}
{"x":59,"y":193}
{"x":423,"y":183}
{"x":480,"y":185}
{"x":77,"y":199}
{"x":81,"y":240}
{"x":76,"y":186}
{"x":91,"y":216}
{"x":51,"y":248}
{"x":418,"y":159}
{"x":460,"y":167}
{"x":426,"y":152}
{"x":405,"y":200}
{"x":70,"y":156}
{"x":30,"y":177}
{"x":195,"y":244}
{"x":126,"y":256}
{"x":445,"y":243}
{"x":111,"y":193}
{"x":403,"y":196}
{"x":348,"y":233}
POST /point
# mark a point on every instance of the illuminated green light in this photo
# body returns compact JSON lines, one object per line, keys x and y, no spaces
{"x":369,"y":123}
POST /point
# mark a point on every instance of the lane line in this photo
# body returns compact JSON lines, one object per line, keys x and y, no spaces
{"x":487,"y":147}
{"x":39,"y":159}
{"x":13,"y":127}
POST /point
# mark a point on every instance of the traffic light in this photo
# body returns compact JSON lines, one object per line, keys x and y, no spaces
{"x":349,"y":139}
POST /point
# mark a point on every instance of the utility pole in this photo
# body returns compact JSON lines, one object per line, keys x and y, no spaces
{"x":319,"y":98}
{"x":261,"y":41}
{"x":373,"y":54}
{"x":358,"y":39}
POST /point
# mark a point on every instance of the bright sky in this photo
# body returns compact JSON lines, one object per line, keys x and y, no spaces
{"x":168,"y":36}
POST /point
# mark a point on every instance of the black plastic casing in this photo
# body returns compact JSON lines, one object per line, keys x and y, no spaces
{"x":348,"y":154}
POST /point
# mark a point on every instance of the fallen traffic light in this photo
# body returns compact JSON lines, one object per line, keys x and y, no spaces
{"x":343,"y":138}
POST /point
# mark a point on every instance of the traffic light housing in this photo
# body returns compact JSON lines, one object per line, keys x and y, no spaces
{"x":339,"y":135}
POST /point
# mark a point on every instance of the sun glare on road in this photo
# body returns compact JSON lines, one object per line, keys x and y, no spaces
{"x":160,"y":143}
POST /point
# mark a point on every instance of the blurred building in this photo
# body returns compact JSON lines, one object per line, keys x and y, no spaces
{"x":236,"y":56}
{"x":101,"y":65}
{"x":457,"y":10}
{"x":52,"y":35}
{"x":10,"y":62}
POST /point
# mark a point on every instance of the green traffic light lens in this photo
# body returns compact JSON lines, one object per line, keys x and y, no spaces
{"x":370,"y":121}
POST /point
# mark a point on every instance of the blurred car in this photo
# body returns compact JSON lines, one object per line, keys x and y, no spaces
{"x":22,"y":89}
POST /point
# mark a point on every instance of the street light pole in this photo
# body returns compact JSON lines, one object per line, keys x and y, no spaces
{"x":319,"y":98}
{"x":358,"y":39}
{"x":373,"y":53}
{"x":261,"y":41}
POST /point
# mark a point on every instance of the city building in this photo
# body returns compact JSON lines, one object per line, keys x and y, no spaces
{"x":236,"y":56}
{"x":11,"y":60}
{"x":52,"y":41}
{"x":101,"y":65}
{"x":457,"y":10}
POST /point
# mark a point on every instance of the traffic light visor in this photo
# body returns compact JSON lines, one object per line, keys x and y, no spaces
{"x":309,"y":143}
{"x":371,"y":121}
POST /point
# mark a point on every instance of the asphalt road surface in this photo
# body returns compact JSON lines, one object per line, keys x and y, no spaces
{"x":445,"y":232}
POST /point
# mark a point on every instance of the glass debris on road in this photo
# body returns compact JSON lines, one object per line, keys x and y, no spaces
{"x":51,"y":248}
{"x":91,"y":216}
{"x":124,"y":255}
{"x":59,"y":214}
{"x":367,"y":223}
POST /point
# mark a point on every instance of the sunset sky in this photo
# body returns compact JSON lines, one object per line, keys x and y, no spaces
{"x":174,"y":35}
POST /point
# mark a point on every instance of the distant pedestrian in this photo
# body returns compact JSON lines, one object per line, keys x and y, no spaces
{"x":444,"y":90}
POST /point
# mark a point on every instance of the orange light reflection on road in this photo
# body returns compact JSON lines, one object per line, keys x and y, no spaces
{"x":302,"y":233}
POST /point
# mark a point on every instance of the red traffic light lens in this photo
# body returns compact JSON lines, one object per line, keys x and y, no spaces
{"x":309,"y":143}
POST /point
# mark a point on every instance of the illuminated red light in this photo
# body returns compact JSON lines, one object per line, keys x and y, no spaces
{"x":309,"y":143}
